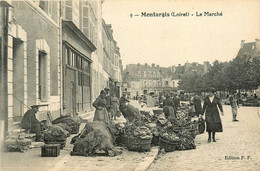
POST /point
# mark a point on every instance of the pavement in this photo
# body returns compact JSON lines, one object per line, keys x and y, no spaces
{"x":32,"y":160}
{"x":237,"y":147}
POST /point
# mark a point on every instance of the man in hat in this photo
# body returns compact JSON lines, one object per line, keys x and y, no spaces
{"x":29,"y":122}
{"x":109,"y":104}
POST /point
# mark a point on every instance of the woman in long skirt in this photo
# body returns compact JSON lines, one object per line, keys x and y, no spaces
{"x":101,"y":113}
{"x":212,"y":117}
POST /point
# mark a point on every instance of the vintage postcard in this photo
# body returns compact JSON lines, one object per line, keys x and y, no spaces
{"x":129,"y":85}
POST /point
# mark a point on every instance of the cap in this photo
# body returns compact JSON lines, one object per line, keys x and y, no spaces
{"x":33,"y":106}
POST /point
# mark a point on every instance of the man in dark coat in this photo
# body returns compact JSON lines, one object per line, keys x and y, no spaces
{"x":213,"y":121}
{"x":29,"y":122}
{"x":197,"y":105}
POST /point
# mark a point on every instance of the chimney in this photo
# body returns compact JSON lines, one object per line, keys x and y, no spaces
{"x":145,"y":65}
{"x":157,"y":66}
{"x":153,"y":65}
{"x":242,"y":43}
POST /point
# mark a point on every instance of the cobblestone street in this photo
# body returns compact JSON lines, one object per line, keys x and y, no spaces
{"x":240,"y":141}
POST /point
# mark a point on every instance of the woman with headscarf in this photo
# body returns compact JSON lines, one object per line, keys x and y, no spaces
{"x":168,"y":107}
{"x":101,"y":113}
{"x":212,"y":117}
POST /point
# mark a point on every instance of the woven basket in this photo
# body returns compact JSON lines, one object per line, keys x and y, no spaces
{"x":138,"y":144}
{"x":167,"y":144}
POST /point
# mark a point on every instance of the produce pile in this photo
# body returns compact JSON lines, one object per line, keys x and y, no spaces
{"x":186,"y":140}
{"x":138,"y":131}
{"x":70,"y":124}
{"x":56,"y":134}
{"x":95,"y":139}
{"x":179,"y":129}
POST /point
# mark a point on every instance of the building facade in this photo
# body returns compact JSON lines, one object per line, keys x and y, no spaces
{"x":31,"y":59}
{"x":78,"y":43}
{"x":60,"y":54}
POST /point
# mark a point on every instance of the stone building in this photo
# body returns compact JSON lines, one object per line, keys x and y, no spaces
{"x":79,"y":40}
{"x":30,"y":61}
{"x":53,"y":54}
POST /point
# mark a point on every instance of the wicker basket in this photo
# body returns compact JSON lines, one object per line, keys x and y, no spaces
{"x":50,"y":150}
{"x":168,"y":145}
{"x":138,"y":144}
{"x":61,"y":142}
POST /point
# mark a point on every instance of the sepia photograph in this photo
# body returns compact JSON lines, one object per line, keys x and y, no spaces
{"x":129,"y":85}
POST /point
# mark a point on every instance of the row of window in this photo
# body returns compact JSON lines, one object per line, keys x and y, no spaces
{"x":76,"y":60}
{"x":148,"y":74}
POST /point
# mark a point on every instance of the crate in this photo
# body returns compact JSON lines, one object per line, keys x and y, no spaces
{"x":61,"y":142}
{"x":168,"y":145}
{"x":50,"y":150}
{"x":138,"y":144}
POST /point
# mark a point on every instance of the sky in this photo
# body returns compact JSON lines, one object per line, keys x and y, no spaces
{"x":169,"y":41}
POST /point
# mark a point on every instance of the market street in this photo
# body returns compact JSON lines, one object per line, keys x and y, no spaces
{"x":239,"y":140}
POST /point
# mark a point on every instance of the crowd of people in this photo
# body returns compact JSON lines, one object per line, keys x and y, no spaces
{"x":108,"y":107}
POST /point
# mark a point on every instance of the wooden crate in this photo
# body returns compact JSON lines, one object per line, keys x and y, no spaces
{"x":50,"y":150}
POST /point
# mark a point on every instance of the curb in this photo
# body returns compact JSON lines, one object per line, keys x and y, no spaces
{"x":147,"y":160}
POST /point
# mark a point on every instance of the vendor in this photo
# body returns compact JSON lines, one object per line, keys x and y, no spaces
{"x":168,"y":107}
{"x":122,"y":102}
{"x":29,"y":122}
{"x":101,"y":113}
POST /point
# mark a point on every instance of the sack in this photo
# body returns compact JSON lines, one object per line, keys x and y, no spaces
{"x":201,"y":127}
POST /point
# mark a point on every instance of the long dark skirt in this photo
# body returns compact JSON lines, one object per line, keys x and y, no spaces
{"x":214,"y":127}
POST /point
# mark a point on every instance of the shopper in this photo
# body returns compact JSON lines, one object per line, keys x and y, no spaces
{"x":212,"y":117}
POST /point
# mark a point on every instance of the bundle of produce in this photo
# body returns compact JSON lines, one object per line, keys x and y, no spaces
{"x":55,"y":135}
{"x":71,"y":123}
{"x":64,"y":126}
{"x":138,"y":137}
{"x":186,"y":140}
{"x":138,"y":130}
{"x":18,"y":144}
{"x":95,"y":139}
{"x":181,"y":122}
{"x":147,"y":116}
{"x":117,"y":131}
